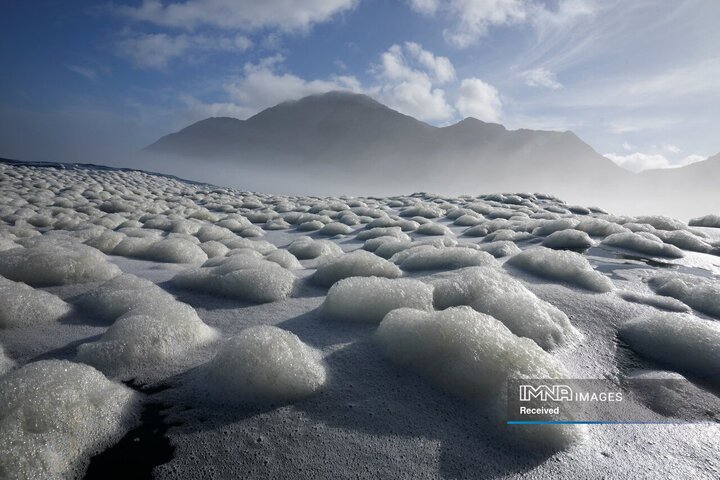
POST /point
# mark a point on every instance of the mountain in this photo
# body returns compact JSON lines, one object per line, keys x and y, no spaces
{"x":684,"y":192}
{"x":698,"y":174}
{"x":341,"y":142}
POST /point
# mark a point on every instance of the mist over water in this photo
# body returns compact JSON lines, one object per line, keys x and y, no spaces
{"x":635,"y":194}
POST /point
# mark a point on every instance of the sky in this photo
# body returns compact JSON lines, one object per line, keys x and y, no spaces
{"x":96,"y":81}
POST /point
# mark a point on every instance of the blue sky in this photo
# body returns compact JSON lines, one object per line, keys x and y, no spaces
{"x":94,"y":81}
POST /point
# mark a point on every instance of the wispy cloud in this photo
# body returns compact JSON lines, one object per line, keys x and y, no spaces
{"x":89,"y":73}
{"x":236,"y":14}
{"x":471,"y":20}
{"x":157,"y":50}
{"x":540,"y":77}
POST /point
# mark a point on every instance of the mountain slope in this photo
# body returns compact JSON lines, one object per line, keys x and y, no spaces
{"x":345,"y":136}
{"x":683,"y":192}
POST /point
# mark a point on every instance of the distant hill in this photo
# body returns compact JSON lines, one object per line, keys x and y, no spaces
{"x":689,"y":191}
{"x":345,"y":143}
{"x":343,"y":133}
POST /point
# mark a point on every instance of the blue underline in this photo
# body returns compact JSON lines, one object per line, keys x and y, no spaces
{"x":594,"y":422}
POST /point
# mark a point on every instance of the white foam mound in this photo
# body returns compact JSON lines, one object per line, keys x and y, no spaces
{"x":432,"y":228}
{"x":24,"y":306}
{"x":128,"y":294}
{"x":376,"y":232}
{"x":599,"y":227}
{"x":494,"y":292}
{"x":685,"y":240}
{"x":54,"y":415}
{"x":422,"y":210}
{"x":356,"y":264}
{"x":500,"y":248}
{"x":646,"y":243}
{"x":56,"y":262}
{"x":305,"y":248}
{"x":702,"y":294}
{"x":152,"y":329}
{"x":663,"y":303}
{"x":213,"y":249}
{"x":283,"y":258}
{"x":661,"y":222}
{"x":263,"y":364}
{"x":550,"y":226}
{"x":6,"y":363}
{"x":571,"y":239}
{"x":175,"y":250}
{"x":369,"y":299}
{"x":335,"y":228}
{"x":706,"y":221}
{"x":471,"y":355}
{"x":136,"y":345}
{"x":389,"y":249}
{"x":106,"y":242}
{"x":7,"y":244}
{"x":242,"y":277}
{"x":169,"y":250}
{"x":562,"y":266}
{"x":682,"y":342}
{"x":372,"y":244}
{"x":448,"y":258}
{"x":310,"y":226}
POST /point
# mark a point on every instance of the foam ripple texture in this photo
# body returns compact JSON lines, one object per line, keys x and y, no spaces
{"x":369,"y":299}
{"x":24,"y":306}
{"x":683,"y":342}
{"x":562,"y":266}
{"x":471,"y":355}
{"x":263,"y":364}
{"x":55,"y":414}
{"x":494,"y":292}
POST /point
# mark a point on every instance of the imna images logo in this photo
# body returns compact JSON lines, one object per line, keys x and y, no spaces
{"x":563,"y":393}
{"x":544,"y":393}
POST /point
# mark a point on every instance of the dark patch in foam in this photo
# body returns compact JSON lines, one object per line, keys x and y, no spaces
{"x":139,"y":451}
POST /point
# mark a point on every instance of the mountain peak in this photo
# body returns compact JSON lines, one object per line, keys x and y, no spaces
{"x":335,"y":97}
{"x":474,"y":123}
{"x":346,"y":131}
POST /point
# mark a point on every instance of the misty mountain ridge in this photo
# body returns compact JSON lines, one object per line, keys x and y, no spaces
{"x":347,"y":143}
{"x":346,"y":129}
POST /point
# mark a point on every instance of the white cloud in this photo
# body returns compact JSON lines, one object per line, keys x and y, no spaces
{"x":410,"y":61}
{"x":157,"y":50}
{"x":672,"y":149}
{"x":408,"y":76}
{"x":417,"y":99}
{"x":440,"y":67}
{"x":426,"y":7}
{"x":627,"y":146}
{"x":637,"y":162}
{"x":480,"y":100}
{"x":198,"y":109}
{"x":679,"y":84}
{"x":286,"y":15}
{"x":263,"y":86}
{"x":88,"y":73}
{"x":639,"y":124}
{"x":540,"y":77}
{"x":475,"y":17}
{"x":566,"y":13}
{"x":472,"y":19}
